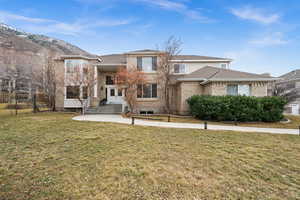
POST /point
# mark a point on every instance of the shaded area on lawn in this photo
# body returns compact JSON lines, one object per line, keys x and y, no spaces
{"x":50,"y":156}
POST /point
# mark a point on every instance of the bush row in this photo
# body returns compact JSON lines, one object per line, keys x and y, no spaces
{"x":237,"y":108}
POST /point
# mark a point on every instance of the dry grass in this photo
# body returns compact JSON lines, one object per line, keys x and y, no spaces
{"x":293,"y":124}
{"x":49,"y":156}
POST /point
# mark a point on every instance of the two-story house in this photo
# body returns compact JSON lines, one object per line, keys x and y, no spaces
{"x":190,"y":75}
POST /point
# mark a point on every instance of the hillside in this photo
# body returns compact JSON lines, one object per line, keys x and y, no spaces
{"x":26,"y":49}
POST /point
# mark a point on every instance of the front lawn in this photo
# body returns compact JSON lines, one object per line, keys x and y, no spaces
{"x":49,"y":156}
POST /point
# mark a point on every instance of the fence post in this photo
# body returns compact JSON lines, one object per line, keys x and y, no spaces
{"x":205,"y":125}
{"x":169,"y":118}
{"x":235,"y":122}
{"x":299,"y":130}
{"x":132,"y":120}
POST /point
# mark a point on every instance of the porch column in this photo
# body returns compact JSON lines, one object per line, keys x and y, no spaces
{"x":96,"y":85}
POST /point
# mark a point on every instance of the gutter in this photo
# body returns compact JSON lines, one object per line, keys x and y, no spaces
{"x":224,"y":60}
{"x":205,"y":81}
{"x":117,"y":64}
{"x":240,"y":80}
{"x":63,"y":57}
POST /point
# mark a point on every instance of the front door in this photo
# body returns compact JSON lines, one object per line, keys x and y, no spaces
{"x":114,"y":95}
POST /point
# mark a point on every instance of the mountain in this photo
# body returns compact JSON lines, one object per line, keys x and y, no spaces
{"x":11,"y":37}
{"x":29,"y":50}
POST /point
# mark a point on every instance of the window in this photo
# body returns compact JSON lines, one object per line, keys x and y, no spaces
{"x":4,"y":85}
{"x":73,"y":92}
{"x":236,"y":89}
{"x":147,"y":91}
{"x":109,"y":80}
{"x":149,"y":112}
{"x":112,"y":92}
{"x":73,"y":65}
{"x":119,"y":92}
{"x":84,"y":92}
{"x":85,"y":71}
{"x":224,"y":65}
{"x":179,"y":68}
{"x":147,"y":64}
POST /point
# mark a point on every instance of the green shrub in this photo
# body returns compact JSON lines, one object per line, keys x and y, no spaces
{"x":237,"y":108}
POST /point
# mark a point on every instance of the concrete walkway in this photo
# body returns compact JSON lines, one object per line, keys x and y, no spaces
{"x":120,"y":119}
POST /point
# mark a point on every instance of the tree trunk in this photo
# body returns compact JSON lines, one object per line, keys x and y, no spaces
{"x":16,"y":104}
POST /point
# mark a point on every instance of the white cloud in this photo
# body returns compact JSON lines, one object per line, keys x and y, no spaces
{"x":178,"y":7}
{"x":255,"y":14}
{"x":6,"y":16}
{"x":273,"y":39}
{"x":41,"y":25}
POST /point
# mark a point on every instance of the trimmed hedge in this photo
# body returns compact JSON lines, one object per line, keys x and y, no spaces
{"x":237,"y":108}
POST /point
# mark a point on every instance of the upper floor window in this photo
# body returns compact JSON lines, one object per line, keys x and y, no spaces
{"x":147,"y":91}
{"x":237,"y":89}
{"x":73,"y":65}
{"x":109,"y":80}
{"x":147,"y":64}
{"x":179,"y":68}
{"x":224,"y":65}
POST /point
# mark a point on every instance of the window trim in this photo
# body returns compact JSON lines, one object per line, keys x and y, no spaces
{"x":238,"y":89}
{"x":226,"y":65}
{"x":153,"y":64}
{"x":67,"y":69}
{"x":66,"y":92}
{"x":185,"y":68}
{"x":151,"y":91}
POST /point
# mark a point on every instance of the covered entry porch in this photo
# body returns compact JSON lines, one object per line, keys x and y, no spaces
{"x":106,"y":92}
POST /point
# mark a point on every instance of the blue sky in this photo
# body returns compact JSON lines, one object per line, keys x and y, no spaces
{"x":260,"y":35}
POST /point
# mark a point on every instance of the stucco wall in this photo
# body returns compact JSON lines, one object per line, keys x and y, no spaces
{"x":149,"y":104}
{"x":187,"y":90}
{"x":258,"y":89}
{"x":193,"y":66}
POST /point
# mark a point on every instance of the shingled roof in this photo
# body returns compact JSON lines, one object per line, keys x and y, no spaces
{"x":121,"y":58}
{"x":208,"y":74}
{"x":291,"y":75}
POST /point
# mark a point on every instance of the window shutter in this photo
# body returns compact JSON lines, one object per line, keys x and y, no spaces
{"x":154,"y":63}
{"x":139,"y":63}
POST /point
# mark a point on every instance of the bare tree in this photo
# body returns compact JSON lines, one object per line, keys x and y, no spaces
{"x":129,"y":79}
{"x":19,"y":84}
{"x":50,"y":80}
{"x":170,"y":49}
{"x":83,"y":77}
{"x":287,"y":91}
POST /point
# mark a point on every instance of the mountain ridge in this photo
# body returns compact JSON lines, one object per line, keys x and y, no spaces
{"x":40,"y":42}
